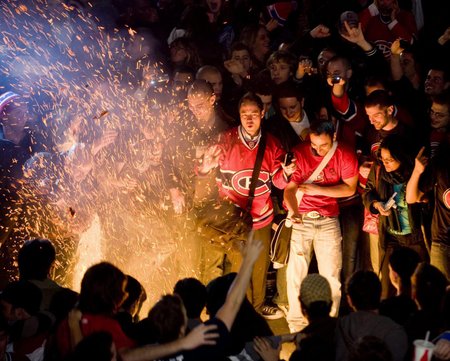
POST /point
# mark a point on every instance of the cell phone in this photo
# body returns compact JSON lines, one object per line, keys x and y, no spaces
{"x":405,"y":45}
{"x":335,"y":79}
{"x":288,"y":158}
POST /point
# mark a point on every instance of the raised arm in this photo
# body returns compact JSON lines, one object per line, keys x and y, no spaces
{"x":413,"y":193}
{"x":200,"y":335}
{"x":227,"y":313}
{"x":396,"y":68}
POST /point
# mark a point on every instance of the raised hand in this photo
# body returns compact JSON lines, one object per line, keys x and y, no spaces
{"x":178,"y":201}
{"x":320,"y":31}
{"x":271,"y":25}
{"x":396,"y":48}
{"x":420,"y":162}
{"x":354,"y":35}
{"x":338,"y":88}
{"x":304,"y":67}
{"x":234,"y":66}
{"x":289,"y":169}
{"x":444,"y":37}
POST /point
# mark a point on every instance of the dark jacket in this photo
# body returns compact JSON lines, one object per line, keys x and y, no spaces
{"x":378,"y":189}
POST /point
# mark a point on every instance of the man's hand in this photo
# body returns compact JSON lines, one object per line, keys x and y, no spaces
{"x":442,"y":349}
{"x":444,"y":37}
{"x":234,"y":67}
{"x":200,"y":335}
{"x":396,"y":48}
{"x":210,"y":160}
{"x":338,"y":88}
{"x":354,"y":35}
{"x":319,"y":32}
{"x":265,"y":349}
{"x":178,"y":201}
{"x":310,"y":189}
{"x":271,"y":25}
{"x":304,"y":67}
{"x":295,"y":218}
{"x":289,"y":169}
{"x":420,"y":162}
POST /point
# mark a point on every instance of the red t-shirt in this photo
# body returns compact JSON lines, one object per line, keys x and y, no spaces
{"x":343,"y":165}
{"x":90,"y":324}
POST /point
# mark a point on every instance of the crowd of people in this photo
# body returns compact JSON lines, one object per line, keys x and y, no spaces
{"x":188,"y":129}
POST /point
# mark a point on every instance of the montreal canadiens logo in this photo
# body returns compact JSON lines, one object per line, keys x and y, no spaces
{"x":242,"y":179}
{"x":446,"y":198}
{"x":384,"y":46}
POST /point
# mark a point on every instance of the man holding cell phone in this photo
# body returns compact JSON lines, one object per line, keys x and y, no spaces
{"x":325,"y":171}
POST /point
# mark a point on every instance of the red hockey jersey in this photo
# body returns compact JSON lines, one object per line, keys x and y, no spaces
{"x":236,"y":167}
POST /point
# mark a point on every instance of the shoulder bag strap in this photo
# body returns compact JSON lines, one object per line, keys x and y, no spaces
{"x":317,"y":171}
{"x":256,"y":170}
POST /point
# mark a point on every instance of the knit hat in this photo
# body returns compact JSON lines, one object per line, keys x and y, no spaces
{"x":23,"y":294}
{"x":314,"y":288}
{"x":280,"y":11}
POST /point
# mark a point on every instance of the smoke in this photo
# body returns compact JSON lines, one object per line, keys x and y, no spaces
{"x":101,"y":176}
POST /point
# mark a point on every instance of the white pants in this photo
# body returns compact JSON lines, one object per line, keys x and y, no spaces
{"x":323,"y":235}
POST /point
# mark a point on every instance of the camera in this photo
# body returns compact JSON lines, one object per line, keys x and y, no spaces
{"x":335,"y":79}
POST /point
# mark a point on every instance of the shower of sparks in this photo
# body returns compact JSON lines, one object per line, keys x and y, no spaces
{"x":103,"y":178}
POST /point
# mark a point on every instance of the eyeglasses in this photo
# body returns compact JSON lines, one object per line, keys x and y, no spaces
{"x":437,"y":115}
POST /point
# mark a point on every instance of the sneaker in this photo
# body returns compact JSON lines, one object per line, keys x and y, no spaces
{"x":271,"y":312}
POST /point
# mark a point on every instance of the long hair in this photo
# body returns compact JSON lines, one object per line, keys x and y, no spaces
{"x":400,"y":151}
